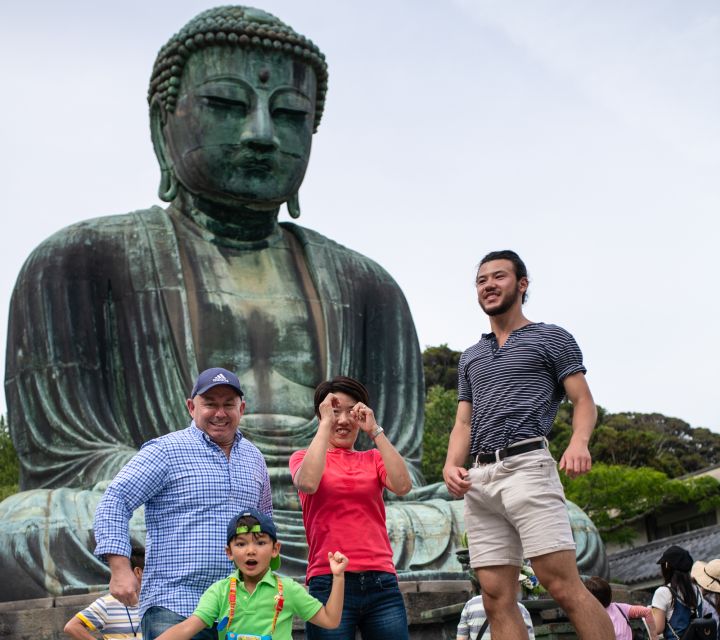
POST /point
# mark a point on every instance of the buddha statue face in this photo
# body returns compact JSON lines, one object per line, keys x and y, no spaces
{"x":241,"y":131}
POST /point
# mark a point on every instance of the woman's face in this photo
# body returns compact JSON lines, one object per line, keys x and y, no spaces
{"x":345,"y":427}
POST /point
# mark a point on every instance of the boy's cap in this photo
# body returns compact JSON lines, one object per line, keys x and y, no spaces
{"x":264,"y":525}
{"x":677,"y":558}
{"x":214,"y":377}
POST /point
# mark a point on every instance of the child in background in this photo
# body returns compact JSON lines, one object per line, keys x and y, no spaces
{"x":254,"y":602}
{"x":108,"y":616}
{"x":619,"y":612}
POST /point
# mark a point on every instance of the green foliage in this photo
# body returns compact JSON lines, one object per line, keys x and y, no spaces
{"x":440,"y":409}
{"x":616,"y":495}
{"x":9,"y":464}
{"x":440,"y":367}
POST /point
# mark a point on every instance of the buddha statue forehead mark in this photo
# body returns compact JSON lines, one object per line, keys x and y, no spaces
{"x":233,"y":26}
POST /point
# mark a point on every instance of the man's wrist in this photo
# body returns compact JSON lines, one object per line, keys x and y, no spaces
{"x":376,"y":432}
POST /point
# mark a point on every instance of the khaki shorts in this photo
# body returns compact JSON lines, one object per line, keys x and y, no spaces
{"x":516,"y":509}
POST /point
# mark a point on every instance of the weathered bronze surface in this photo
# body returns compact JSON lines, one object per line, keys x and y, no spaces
{"x":112,"y":318}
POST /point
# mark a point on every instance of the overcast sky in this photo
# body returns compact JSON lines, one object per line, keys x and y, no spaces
{"x":583,"y":134}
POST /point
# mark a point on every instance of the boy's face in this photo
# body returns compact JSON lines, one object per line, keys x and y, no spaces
{"x":251,"y":553}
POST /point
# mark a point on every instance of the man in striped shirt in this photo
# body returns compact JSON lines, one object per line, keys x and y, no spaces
{"x":191,"y":482}
{"x":510,"y":386}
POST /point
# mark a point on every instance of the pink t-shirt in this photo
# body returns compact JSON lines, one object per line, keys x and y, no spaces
{"x":347,"y":512}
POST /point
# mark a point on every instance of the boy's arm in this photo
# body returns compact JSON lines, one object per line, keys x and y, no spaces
{"x":184,"y":630}
{"x":77,"y":630}
{"x":330,"y":615}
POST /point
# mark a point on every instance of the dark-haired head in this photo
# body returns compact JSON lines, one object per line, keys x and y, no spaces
{"x":518,"y":264}
{"x":600,"y":588}
{"x":137,"y":558}
{"x":341,"y":384}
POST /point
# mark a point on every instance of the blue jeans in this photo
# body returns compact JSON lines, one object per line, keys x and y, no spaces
{"x":157,"y":619}
{"x":373,"y":604}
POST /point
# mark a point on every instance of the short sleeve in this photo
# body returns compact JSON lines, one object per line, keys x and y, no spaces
{"x":463,"y":630}
{"x":661,"y":599}
{"x":380,"y":467}
{"x":304,"y":605}
{"x":210,"y":605}
{"x":95,"y":616}
{"x":295,"y":461}
{"x":564,"y":353}
{"x":464,"y":390}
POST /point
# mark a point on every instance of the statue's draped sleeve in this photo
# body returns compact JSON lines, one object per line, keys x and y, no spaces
{"x":97,"y":355}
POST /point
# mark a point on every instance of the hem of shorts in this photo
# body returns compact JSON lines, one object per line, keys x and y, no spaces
{"x":534,"y":553}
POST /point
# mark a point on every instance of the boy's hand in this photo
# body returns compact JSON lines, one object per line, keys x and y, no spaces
{"x":338,"y":563}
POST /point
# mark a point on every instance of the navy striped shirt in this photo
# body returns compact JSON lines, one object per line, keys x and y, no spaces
{"x":516,"y":389}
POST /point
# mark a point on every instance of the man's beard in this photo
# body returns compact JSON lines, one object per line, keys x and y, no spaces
{"x":505,"y":306}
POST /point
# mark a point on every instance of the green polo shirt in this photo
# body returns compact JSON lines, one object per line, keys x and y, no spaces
{"x":254,"y":612}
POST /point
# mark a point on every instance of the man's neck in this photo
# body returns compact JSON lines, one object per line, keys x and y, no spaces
{"x":504,"y":324}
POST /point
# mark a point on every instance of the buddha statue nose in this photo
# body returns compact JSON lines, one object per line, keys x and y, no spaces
{"x":258,"y":130}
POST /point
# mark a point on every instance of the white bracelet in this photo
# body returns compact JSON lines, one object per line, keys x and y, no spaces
{"x":378,"y":430}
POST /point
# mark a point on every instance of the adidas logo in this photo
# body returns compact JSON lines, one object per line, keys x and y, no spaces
{"x":220,"y":378}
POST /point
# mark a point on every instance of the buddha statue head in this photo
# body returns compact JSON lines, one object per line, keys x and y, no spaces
{"x":235,"y":97}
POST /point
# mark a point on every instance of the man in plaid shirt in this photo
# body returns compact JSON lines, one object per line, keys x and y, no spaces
{"x":191,"y":482}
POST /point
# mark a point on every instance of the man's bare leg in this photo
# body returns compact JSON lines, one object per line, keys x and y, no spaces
{"x":499,"y":586}
{"x":558,"y":573}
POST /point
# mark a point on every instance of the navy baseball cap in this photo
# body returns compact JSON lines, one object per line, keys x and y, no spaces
{"x":264,"y":525}
{"x":214,"y":377}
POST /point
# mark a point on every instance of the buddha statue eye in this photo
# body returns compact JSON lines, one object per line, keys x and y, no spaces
{"x":224,"y":103}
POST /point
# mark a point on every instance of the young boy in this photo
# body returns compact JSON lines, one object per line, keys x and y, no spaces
{"x":108,"y":616}
{"x":253,"y":602}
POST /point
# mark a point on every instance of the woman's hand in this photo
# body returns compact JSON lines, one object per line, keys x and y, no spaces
{"x":327,"y":408}
{"x":364,"y":417}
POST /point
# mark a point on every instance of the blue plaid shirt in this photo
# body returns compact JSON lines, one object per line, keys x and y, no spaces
{"x":190,"y":490}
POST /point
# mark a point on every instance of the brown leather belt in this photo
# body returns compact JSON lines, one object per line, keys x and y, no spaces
{"x":496,"y":456}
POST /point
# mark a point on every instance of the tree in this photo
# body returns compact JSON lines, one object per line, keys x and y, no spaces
{"x":440,"y":367}
{"x":616,"y":495}
{"x":9,"y":464}
{"x":440,"y":409}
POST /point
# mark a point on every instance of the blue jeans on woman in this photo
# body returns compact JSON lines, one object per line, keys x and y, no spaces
{"x":157,"y":619}
{"x":373,"y":604}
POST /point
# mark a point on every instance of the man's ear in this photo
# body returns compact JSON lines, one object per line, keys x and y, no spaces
{"x":190,"y":404}
{"x":523,"y":284}
{"x":168,"y":180}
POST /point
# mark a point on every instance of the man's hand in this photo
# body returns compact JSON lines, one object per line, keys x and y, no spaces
{"x":456,"y":480}
{"x":576,"y":460}
{"x":124,"y":584}
{"x":338,"y":563}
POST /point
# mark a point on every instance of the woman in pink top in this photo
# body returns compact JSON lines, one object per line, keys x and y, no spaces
{"x":341,"y":493}
{"x":619,"y":612}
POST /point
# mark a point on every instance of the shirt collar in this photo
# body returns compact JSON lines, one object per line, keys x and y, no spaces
{"x":269,"y":578}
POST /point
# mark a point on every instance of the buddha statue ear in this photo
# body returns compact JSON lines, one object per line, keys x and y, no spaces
{"x":293,"y":205}
{"x":168,"y":180}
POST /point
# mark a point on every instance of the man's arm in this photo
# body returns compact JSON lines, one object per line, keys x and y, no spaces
{"x":454,"y":472}
{"x":77,"y":630}
{"x":140,"y":479}
{"x":576,"y":460}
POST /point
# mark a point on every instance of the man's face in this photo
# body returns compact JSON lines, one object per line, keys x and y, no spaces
{"x":217,"y":412}
{"x":242,"y":129}
{"x":498,"y":288}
